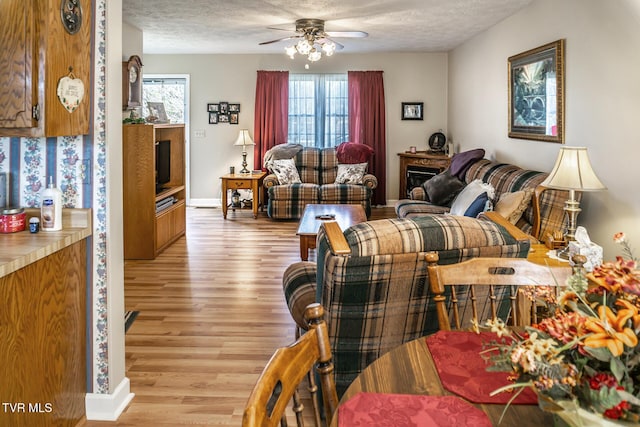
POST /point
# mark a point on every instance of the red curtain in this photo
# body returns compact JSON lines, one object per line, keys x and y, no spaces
{"x":367,"y":123}
{"x":271,"y":112}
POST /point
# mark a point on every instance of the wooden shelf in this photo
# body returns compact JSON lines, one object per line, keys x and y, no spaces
{"x":169,"y":192}
{"x":146,"y":231}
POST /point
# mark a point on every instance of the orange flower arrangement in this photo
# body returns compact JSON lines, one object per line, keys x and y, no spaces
{"x":587,"y":351}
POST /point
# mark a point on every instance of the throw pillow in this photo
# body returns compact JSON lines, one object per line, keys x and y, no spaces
{"x":352,"y":153}
{"x":473,"y":199}
{"x":286,"y":171}
{"x":461,"y":162}
{"x":512,"y":205}
{"x":442,"y":188}
{"x":351,"y":174}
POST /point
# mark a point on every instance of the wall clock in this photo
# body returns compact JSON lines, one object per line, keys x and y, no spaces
{"x":132,"y":83}
{"x":437,"y":142}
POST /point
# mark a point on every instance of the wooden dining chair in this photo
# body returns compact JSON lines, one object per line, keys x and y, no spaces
{"x":484,"y":276}
{"x":279,"y":381}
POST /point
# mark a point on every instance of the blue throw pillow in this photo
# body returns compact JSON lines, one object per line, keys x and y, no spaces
{"x":473,"y":199}
{"x":477,"y":206}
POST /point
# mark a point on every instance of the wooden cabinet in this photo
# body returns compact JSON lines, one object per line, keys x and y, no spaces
{"x":415,"y":168}
{"x":43,"y":339}
{"x":36,"y":53}
{"x":153,"y":219}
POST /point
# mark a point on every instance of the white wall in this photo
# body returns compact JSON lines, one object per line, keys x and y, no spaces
{"x":132,"y":41}
{"x":214,"y":78}
{"x":601,"y":97}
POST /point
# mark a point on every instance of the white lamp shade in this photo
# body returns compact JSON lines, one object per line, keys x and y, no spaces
{"x":244,"y":138}
{"x":573,"y":171}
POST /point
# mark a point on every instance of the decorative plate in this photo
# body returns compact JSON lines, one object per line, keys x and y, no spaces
{"x":70,"y":93}
{"x":71,"y":15}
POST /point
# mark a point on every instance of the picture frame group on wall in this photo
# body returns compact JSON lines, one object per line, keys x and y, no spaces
{"x":536,"y":93}
{"x":223,"y":112}
{"x":413,"y":111}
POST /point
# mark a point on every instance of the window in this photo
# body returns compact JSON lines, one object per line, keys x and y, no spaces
{"x":318,"y":109}
{"x":170,"y":91}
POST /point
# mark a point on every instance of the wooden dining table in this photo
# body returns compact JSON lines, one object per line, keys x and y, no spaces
{"x":410,"y":369}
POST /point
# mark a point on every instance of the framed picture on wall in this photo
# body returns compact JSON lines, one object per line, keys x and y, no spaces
{"x":536,"y":93}
{"x":213,"y":118}
{"x":224,"y":107}
{"x":412,"y":111}
{"x":213,"y":108}
{"x":223,"y":118}
{"x":234,"y":108}
{"x":233,"y":118}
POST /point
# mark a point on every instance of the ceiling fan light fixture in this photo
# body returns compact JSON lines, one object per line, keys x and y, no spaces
{"x":291,"y":51}
{"x":314,"y":55}
{"x":304,"y":47}
{"x":328,"y":48}
{"x":313,"y":41}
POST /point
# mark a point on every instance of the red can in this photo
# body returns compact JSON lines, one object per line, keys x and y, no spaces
{"x":12,"y":220}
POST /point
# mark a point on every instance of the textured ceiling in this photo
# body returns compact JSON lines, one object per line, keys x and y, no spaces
{"x":237,"y":26}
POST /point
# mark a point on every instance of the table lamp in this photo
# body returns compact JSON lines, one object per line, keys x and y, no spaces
{"x":572,"y":172}
{"x":244,"y":139}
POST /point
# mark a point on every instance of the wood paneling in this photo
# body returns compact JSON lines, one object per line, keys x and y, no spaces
{"x":66,"y":53}
{"x":42,"y":331}
{"x":212,"y":312}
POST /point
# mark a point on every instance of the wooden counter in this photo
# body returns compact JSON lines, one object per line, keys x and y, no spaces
{"x":43,"y":323}
{"x":17,"y":250}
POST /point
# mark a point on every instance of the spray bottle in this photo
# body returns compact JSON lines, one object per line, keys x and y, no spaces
{"x":51,"y":210}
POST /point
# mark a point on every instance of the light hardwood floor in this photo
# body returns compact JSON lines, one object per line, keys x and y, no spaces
{"x":212,"y":312}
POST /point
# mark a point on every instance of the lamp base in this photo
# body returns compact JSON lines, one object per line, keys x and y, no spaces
{"x":244,"y":169}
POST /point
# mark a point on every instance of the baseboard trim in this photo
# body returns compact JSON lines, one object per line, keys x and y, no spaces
{"x":108,"y":407}
{"x":205,"y":203}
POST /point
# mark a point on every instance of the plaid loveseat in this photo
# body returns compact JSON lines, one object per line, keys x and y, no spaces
{"x":378,"y":297}
{"x":318,"y":168}
{"x":504,"y":178}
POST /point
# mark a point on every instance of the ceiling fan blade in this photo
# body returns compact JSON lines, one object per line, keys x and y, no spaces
{"x":358,"y":34}
{"x":279,"y":40}
{"x":281,"y":29}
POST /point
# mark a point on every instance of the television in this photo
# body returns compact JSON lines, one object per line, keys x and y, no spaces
{"x":163,"y":164}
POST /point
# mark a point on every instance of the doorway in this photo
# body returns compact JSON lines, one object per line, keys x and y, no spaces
{"x":173,"y":91}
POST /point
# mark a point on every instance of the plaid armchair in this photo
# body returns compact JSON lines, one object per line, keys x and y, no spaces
{"x":378,"y":297}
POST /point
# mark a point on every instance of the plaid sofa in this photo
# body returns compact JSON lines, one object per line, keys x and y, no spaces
{"x":318,"y":168}
{"x":504,"y":178}
{"x":378,"y":297}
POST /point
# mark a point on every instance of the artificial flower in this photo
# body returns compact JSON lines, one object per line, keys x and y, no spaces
{"x":609,"y":330}
{"x":586,"y":350}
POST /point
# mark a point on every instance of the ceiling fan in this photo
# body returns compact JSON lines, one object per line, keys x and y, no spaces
{"x":313,"y":39}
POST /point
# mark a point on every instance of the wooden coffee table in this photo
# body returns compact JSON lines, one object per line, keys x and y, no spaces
{"x":344,"y":215}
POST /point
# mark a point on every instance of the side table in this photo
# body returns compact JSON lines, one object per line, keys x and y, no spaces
{"x":250,"y":181}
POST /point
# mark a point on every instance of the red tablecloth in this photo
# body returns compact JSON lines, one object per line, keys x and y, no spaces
{"x":406,"y":410}
{"x":463,"y":371}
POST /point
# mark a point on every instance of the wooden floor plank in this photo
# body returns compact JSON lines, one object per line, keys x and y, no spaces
{"x":212,"y":312}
